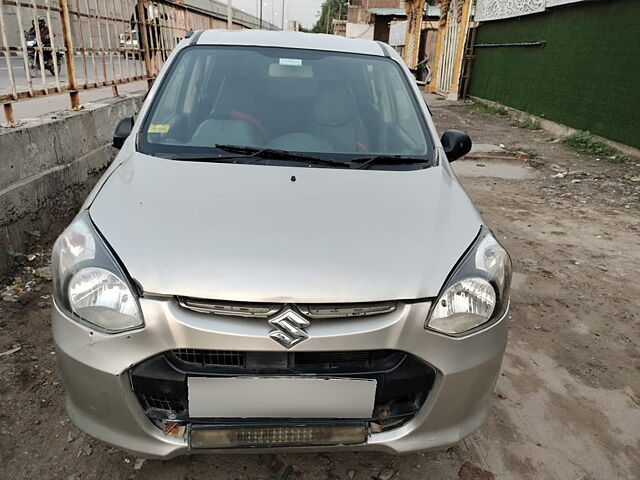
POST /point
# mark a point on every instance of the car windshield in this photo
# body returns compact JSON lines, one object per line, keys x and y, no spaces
{"x":327,"y":105}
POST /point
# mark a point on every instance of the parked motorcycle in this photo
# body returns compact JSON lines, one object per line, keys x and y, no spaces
{"x":34,"y":58}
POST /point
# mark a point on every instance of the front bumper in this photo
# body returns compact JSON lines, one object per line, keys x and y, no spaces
{"x":100,"y":400}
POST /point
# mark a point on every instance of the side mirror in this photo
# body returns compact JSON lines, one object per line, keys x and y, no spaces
{"x":123,"y":130}
{"x":456,"y":144}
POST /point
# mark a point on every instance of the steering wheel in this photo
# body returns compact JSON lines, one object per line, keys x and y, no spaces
{"x":256,"y":124}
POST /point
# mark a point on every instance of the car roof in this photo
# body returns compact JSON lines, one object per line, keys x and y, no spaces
{"x":280,"y":39}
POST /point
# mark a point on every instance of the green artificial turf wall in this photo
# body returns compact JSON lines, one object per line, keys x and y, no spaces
{"x":587,"y":75}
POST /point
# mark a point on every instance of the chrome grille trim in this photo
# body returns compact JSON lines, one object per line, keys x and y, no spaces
{"x":346,"y":310}
{"x":268,"y":310}
{"x":233,"y":309}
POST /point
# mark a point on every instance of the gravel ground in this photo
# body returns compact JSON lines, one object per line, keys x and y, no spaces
{"x":567,"y":403}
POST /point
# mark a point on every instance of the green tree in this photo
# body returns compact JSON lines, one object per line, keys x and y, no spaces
{"x":330,"y":10}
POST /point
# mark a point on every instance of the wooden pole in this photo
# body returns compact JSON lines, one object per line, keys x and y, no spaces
{"x":414,"y":9}
{"x":8,"y":113}
{"x":68,"y":45}
{"x":142,"y":35}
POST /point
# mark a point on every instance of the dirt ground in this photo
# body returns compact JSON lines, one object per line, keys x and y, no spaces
{"x":567,"y":404}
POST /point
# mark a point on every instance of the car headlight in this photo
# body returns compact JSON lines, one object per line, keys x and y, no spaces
{"x":89,"y":284}
{"x":477,"y":291}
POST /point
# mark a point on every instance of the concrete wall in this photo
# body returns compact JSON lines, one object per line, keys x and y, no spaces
{"x":219,"y":8}
{"x":47,"y":170}
{"x":360,"y":30}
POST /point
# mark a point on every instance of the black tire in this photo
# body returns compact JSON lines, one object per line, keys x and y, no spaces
{"x":33,"y":68}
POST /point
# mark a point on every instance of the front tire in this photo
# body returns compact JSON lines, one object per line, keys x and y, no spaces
{"x":33,"y":67}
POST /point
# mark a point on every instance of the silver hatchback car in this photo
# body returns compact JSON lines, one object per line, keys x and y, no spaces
{"x":280,"y":257}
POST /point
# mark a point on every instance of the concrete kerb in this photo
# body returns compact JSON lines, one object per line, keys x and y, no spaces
{"x":554,"y":128}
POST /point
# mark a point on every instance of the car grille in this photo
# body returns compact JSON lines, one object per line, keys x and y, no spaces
{"x":267,"y":310}
{"x":403,"y":381}
{"x":161,"y":403}
{"x":212,"y":358}
{"x":334,"y":359}
{"x":226,"y":358}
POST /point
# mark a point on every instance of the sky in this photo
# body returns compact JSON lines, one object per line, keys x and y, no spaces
{"x":306,"y":11}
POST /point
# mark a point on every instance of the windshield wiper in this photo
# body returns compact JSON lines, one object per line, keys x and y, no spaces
{"x":366,"y":162}
{"x":244,"y":155}
{"x":198,"y":157}
{"x":255,"y":152}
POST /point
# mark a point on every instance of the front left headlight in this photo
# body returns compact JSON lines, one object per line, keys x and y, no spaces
{"x":477,"y":291}
{"x":88,"y":283}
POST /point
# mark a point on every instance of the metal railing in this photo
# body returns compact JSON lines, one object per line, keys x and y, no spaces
{"x":72,"y":45}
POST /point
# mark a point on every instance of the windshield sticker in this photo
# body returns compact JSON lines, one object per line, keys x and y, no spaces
{"x":291,"y":62}
{"x":159,"y":128}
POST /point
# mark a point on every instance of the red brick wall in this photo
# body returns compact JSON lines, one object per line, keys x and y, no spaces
{"x":358,"y":9}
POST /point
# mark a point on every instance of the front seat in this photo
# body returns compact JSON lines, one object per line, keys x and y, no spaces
{"x":335,"y":118}
{"x":230,"y":121}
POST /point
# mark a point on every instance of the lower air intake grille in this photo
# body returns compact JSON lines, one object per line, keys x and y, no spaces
{"x":161,"y":385}
{"x":226,"y":358}
{"x":332,"y":359}
{"x":278,"y":436}
{"x":161,"y":403}
{"x":219,"y":358}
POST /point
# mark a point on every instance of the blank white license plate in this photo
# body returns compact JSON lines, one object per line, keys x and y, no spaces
{"x":281,"y":397}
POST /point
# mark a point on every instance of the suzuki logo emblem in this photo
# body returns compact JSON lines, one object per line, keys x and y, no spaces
{"x":289,"y":329}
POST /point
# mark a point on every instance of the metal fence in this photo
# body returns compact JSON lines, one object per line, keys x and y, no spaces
{"x":56,"y":46}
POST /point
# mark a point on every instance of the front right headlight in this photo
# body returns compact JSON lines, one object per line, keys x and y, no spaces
{"x":477,"y":291}
{"x":88,"y":283}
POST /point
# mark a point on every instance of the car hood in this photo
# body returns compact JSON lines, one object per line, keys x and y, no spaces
{"x":252,"y":233}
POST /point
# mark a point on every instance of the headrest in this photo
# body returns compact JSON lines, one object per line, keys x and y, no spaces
{"x":236,"y":95}
{"x":335,"y":104}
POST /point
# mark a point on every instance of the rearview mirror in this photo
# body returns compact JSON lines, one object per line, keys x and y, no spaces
{"x":456,"y":144}
{"x":123,"y":130}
